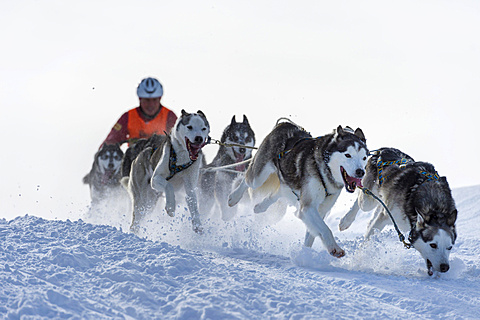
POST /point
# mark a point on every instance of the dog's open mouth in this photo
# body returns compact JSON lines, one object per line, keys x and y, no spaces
{"x":193,"y":148}
{"x":239,"y":157}
{"x":429,"y":268}
{"x":350,"y":182}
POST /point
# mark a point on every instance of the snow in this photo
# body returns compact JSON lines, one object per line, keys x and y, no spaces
{"x":245,"y":269}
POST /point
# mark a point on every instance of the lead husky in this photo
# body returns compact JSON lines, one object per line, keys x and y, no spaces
{"x":313,"y":170}
{"x":215,"y":186}
{"x":104,"y":177}
{"x":174,"y":164}
{"x":419,"y":200}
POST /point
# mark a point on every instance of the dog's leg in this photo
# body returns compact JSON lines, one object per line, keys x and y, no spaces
{"x":191,"y":198}
{"x":312,"y":211}
{"x":207,"y":193}
{"x":144,"y":198}
{"x":349,"y":217}
{"x":309,"y":239}
{"x":317,"y":228}
{"x":159,"y":183}
{"x":367,"y":202}
{"x":266,"y":203}
{"x":237,"y":194}
{"x":251,"y":181}
{"x":221,"y":196}
{"x":141,"y":209}
{"x":379,"y":221}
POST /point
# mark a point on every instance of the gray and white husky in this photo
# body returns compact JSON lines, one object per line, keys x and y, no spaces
{"x":311,"y":170}
{"x":104,"y":177}
{"x":420,"y":202}
{"x":172,"y":166}
{"x":216,"y":185}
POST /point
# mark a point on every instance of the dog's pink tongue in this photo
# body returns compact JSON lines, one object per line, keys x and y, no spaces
{"x":194,"y":152}
{"x":239,"y":158}
{"x":357,"y":182}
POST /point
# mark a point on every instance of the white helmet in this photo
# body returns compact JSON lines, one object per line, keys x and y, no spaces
{"x":150,"y":88}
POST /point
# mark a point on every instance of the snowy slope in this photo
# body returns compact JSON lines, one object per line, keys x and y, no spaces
{"x":238,"y":270}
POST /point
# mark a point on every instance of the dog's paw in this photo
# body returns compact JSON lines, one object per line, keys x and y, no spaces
{"x":170,"y":211}
{"x":198,"y":229}
{"x":345,"y":223}
{"x":338,"y":253}
{"x":261,"y":207}
{"x":232,"y":201}
{"x":134,"y":229}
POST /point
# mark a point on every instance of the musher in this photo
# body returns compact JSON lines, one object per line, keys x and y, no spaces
{"x":145,"y":120}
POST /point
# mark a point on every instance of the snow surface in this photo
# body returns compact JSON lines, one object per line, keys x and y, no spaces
{"x":244,"y":269}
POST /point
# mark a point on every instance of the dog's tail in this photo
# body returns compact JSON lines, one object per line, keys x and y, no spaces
{"x":288,"y":120}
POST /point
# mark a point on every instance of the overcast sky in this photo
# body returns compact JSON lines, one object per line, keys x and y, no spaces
{"x":406,"y":72}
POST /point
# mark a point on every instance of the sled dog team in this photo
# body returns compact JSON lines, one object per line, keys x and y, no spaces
{"x":310,"y":172}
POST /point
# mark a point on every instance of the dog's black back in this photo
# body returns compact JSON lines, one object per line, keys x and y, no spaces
{"x":135,"y":149}
{"x":422,"y":190}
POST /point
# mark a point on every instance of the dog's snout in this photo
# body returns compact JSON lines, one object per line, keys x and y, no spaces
{"x":110,"y":165}
{"x":198,"y":139}
{"x":360,"y":173}
{"x":444,"y":267}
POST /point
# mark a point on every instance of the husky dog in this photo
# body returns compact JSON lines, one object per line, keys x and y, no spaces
{"x":420,"y":202}
{"x":175,"y":163}
{"x":313,"y":170}
{"x":138,"y":146}
{"x":104,"y":177}
{"x":217,"y":185}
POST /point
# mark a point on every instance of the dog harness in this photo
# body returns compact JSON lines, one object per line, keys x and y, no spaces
{"x":380,"y":164}
{"x":172,"y":164}
{"x":401,"y":164}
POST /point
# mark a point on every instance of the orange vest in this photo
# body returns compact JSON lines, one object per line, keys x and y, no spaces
{"x":139,"y":128}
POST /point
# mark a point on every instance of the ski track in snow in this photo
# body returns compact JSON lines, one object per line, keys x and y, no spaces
{"x":244,"y":269}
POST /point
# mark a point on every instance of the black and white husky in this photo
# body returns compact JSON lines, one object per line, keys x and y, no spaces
{"x":311,"y":170}
{"x":420,"y":202}
{"x":104,"y":177}
{"x":172,"y":166}
{"x":216,"y":185}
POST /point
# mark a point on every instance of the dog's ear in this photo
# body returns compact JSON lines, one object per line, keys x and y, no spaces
{"x":234,"y":121}
{"x":340,"y":131}
{"x":452,"y":218}
{"x":245,"y":120}
{"x":420,"y":219}
{"x":359,"y":133}
{"x":201,"y":113}
{"x":184,"y":113}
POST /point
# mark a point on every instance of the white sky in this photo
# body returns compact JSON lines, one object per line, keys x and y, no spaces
{"x":406,"y":72}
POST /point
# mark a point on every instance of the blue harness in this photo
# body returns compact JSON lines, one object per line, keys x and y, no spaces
{"x":172,"y":164}
{"x":401,"y":164}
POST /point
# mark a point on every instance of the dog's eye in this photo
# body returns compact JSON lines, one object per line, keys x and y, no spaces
{"x":449,"y":248}
{"x":189,"y":127}
{"x":364,"y":158}
{"x":348,"y":155}
{"x":433,"y":245}
{"x":203,"y":129}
